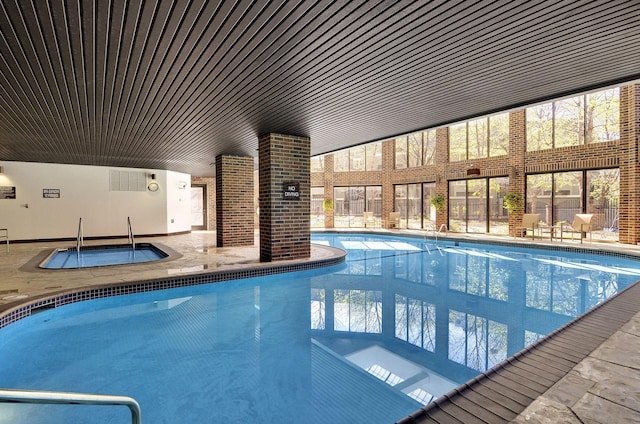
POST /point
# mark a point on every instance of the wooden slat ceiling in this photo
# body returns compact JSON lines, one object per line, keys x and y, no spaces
{"x":172,"y":84}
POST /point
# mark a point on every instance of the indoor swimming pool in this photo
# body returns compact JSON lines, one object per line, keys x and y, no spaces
{"x":401,"y":322}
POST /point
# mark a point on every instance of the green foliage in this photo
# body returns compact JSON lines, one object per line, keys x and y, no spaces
{"x":513,"y":202}
{"x":438,"y":201}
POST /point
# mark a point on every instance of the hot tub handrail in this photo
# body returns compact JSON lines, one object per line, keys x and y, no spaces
{"x":69,"y":398}
{"x":80,"y":238}
{"x":130,"y":233}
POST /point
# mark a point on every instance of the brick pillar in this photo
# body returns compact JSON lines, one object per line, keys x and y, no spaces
{"x":284,"y":216}
{"x":328,"y":190}
{"x":629,"y":213}
{"x":388,"y":166}
{"x":234,"y":201}
{"x":517,"y":151}
{"x":442,"y":184}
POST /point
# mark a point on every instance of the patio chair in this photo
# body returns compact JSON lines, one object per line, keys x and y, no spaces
{"x":369,"y":220}
{"x":581,"y":225}
{"x":530,"y":221}
{"x":393,"y":221}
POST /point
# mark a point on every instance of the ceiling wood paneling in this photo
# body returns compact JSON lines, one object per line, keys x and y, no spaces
{"x":172,"y":84}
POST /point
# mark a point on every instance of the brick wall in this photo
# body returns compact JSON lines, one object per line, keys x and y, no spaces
{"x":516,"y":165}
{"x":284,"y":221}
{"x":234,"y":201}
{"x":629,"y":169}
{"x":210,"y":184}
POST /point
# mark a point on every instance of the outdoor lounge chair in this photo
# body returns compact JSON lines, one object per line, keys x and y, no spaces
{"x":581,"y":225}
{"x":530,"y":221}
{"x":394,"y":220}
{"x":369,"y":220}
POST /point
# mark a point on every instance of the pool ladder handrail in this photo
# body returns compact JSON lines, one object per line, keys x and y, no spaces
{"x":70,"y":398}
{"x":80,"y":238}
{"x":432,"y":229}
{"x":131,"y":239}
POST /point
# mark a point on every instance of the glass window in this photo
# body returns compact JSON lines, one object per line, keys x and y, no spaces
{"x":498,"y":216}
{"x":429,"y":147}
{"x":415,"y":150}
{"x":341,"y":161}
{"x":373,"y":195}
{"x":317,"y":211}
{"x":400,"y":203}
{"x":401,"y":152}
{"x":458,"y":142}
{"x":569,"y":122}
{"x":539,"y":188}
{"x":574,"y":121}
{"x":458,"y":206}
{"x":499,"y":134}
{"x":357,"y":158}
{"x":477,"y":206}
{"x":603,"y":116}
{"x":374,"y":156}
{"x":567,"y":195}
{"x":428,"y":211}
{"x":539,"y":127}
{"x":477,"y":134}
{"x":603,"y":200}
{"x":414,"y":206}
{"x":317,"y":164}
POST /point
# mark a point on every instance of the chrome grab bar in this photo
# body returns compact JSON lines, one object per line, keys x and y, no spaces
{"x":130,"y":234}
{"x":80,"y":238}
{"x":67,"y":398}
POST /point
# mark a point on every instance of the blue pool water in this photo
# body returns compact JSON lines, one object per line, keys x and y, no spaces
{"x":102,"y":256}
{"x":369,"y":341}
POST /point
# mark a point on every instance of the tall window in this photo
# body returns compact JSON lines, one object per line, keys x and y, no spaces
{"x":373,"y":156}
{"x":476,"y":205}
{"x":560,"y":196}
{"x":317,"y":211}
{"x":341,"y":161}
{"x":417,"y":149}
{"x":479,"y":138}
{"x":350,"y":203}
{"x":574,"y":121}
{"x":357,"y":158}
{"x":317,"y":164}
{"x":360,"y":158}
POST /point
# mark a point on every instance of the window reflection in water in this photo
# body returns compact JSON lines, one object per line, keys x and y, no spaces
{"x":452,"y":309}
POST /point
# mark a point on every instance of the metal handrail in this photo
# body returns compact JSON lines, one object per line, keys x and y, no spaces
{"x":68,"y":398}
{"x":80,"y":238}
{"x":130,"y":234}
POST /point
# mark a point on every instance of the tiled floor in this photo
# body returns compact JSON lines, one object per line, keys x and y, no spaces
{"x":603,"y":387}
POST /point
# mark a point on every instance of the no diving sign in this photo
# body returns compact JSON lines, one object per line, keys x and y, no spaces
{"x":291,"y":190}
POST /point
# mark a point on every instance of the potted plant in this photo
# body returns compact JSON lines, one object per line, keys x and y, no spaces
{"x":513,"y":202}
{"x":327,"y":205}
{"x":438,"y":201}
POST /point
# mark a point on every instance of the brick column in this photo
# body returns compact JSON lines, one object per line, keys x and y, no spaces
{"x":517,"y":152}
{"x":442,"y":183}
{"x":629,"y":213}
{"x":388,"y":166}
{"x":328,"y":189}
{"x":234,"y":201}
{"x":284,"y":216}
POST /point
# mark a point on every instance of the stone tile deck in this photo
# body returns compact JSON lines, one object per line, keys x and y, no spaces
{"x":586,"y":372}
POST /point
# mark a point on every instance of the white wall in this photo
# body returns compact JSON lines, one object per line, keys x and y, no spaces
{"x":85,"y":192}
